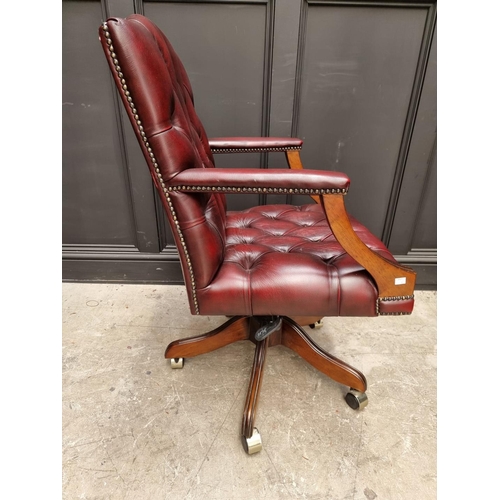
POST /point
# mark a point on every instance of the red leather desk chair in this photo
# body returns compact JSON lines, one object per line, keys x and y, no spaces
{"x":270,"y":268}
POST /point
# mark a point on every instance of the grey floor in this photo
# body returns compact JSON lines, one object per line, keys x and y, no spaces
{"x":133,"y":428}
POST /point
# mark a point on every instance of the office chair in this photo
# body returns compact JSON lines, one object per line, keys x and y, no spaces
{"x":271,"y":269}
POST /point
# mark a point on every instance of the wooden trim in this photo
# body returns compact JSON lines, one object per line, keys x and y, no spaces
{"x":411,"y":118}
{"x":139,"y":7}
{"x":234,"y":330}
{"x":70,"y":249}
{"x":296,"y":339}
{"x":252,"y":399}
{"x":104,"y":9}
{"x":375,"y":3}
{"x":295,"y":163}
{"x":207,"y":1}
{"x":267,"y":85}
{"x":108,"y":269}
{"x":298,"y":68}
{"x":385,"y":273}
{"x":115,"y":252}
{"x":419,"y":256}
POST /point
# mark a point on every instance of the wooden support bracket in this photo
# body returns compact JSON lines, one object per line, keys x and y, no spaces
{"x":392,"y":279}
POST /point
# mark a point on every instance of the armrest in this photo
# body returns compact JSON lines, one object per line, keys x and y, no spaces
{"x":394,"y":281}
{"x":256,"y":180}
{"x":253,"y":144}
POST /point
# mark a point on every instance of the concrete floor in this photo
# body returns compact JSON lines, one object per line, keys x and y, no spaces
{"x":133,"y":428}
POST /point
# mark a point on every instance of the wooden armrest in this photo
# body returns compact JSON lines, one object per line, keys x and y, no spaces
{"x":295,"y":163}
{"x":392,"y":279}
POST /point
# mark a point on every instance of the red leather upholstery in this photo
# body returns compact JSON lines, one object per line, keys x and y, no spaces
{"x":284,"y":260}
{"x":159,"y":101}
{"x":279,"y":260}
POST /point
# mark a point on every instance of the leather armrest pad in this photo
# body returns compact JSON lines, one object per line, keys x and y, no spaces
{"x":225,"y":178}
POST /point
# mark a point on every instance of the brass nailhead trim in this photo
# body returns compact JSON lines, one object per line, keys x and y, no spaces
{"x":390,"y":299}
{"x":232,"y":189}
{"x":400,"y":297}
{"x":215,"y":149}
{"x":395,"y":314}
{"x":155,"y":163}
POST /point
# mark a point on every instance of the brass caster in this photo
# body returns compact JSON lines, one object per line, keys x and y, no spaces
{"x":356,"y":400}
{"x":176,"y":363}
{"x":252,"y":444}
{"x":317,"y":324}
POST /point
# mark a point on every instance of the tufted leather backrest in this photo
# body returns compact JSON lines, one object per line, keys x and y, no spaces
{"x":158,"y":98}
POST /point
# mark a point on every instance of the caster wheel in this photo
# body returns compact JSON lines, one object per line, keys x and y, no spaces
{"x":176,"y":363}
{"x":253,"y":444}
{"x":317,"y":324}
{"x":356,"y":400}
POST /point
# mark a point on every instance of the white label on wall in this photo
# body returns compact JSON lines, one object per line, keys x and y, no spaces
{"x":400,"y":281}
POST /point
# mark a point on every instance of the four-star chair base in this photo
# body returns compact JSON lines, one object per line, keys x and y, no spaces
{"x":289,"y":334}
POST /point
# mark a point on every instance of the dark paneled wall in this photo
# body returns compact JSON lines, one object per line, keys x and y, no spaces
{"x":355,"y":79}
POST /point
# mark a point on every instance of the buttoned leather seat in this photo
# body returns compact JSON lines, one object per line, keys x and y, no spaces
{"x":278,"y":256}
{"x":271,"y":268}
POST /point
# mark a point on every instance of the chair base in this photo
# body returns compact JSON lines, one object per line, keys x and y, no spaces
{"x":290,"y":335}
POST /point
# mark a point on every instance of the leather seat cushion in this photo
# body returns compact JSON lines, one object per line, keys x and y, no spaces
{"x":284,"y":260}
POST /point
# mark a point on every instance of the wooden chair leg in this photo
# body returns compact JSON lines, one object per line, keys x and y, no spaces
{"x":237,"y":328}
{"x":296,"y":339}
{"x":292,"y":336}
{"x":252,"y":442}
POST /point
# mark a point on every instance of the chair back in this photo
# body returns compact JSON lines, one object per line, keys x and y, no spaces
{"x":158,"y":99}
